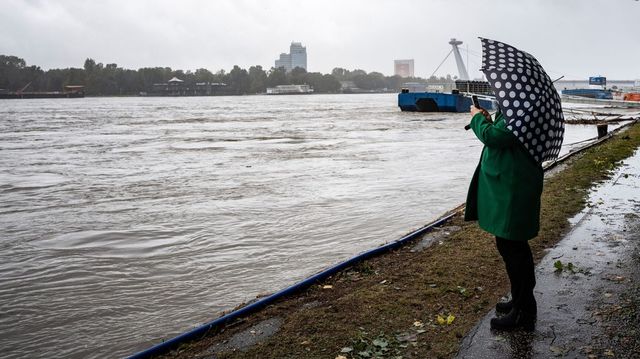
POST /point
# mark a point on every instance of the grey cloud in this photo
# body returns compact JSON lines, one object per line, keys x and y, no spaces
{"x":575,"y":38}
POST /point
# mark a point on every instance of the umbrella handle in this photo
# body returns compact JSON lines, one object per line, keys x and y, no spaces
{"x":475,"y":101}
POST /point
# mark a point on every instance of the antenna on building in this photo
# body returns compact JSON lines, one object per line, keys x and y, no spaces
{"x":462,"y":70}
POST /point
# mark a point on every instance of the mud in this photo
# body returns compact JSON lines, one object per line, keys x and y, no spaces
{"x":578,"y":281}
{"x":435,"y":236}
{"x":247,"y":338}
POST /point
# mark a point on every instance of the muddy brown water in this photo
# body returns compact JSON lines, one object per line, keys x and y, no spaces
{"x":126,"y":221}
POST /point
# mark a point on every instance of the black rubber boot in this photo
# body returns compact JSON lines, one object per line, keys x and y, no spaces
{"x":504,"y":307}
{"x":514,"y":320}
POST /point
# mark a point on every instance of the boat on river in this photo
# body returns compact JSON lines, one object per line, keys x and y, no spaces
{"x":290,"y":90}
{"x":597,"y":89}
{"x":599,"y":94}
{"x":457,"y":100}
{"x":70,"y":91}
{"x":420,"y":97}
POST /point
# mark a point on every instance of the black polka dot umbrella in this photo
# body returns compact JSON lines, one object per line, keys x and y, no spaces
{"x":527,"y":98}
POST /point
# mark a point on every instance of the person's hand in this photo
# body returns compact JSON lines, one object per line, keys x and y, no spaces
{"x":474,"y":110}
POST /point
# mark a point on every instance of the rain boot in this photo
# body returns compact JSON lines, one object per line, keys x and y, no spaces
{"x":515,"y":319}
{"x":504,"y":307}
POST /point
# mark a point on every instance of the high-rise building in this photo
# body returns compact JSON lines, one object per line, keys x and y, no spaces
{"x":284,"y":61}
{"x":297,"y":57}
{"x":403,"y":68}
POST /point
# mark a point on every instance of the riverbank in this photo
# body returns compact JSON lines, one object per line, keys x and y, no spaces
{"x":418,"y":301}
{"x":587,"y":284}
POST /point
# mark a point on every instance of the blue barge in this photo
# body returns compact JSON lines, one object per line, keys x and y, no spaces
{"x":437,"y":102}
{"x":458,"y":100}
{"x":598,"y":89}
{"x":598,"y":94}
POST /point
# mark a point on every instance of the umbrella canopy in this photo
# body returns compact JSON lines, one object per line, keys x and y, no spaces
{"x":527,"y":98}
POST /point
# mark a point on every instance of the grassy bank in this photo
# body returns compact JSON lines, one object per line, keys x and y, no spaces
{"x":417,"y":303}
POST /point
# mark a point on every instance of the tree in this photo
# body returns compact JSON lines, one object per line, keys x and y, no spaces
{"x":371,"y":81}
{"x":257,"y":79}
{"x":89,"y":65}
{"x":12,"y":73}
{"x":203,"y":75}
{"x":323,"y":83}
{"x":238,"y":81}
{"x":110,"y":79}
{"x":357,"y":72}
{"x":340,"y":73}
{"x":178,"y":73}
{"x":277,"y":76}
{"x":298,"y":76}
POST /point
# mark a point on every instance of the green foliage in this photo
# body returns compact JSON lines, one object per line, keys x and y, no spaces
{"x":239,"y":81}
{"x":569,"y":267}
{"x":378,"y":347}
{"x":111,"y":80}
{"x":277,"y":76}
{"x":257,"y":79}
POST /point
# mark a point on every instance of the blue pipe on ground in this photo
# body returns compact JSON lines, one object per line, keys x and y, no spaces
{"x":253,"y":307}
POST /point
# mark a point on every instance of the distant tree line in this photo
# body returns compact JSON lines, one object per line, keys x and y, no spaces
{"x":111,"y":80}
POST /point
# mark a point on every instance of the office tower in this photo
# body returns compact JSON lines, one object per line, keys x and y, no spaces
{"x":297,"y":57}
{"x":403,"y":68}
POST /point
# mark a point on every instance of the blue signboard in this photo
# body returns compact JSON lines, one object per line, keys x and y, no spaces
{"x":598,"y":80}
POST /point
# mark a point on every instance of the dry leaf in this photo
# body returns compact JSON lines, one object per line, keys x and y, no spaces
{"x":418,"y":323}
{"x":450,"y":318}
{"x":440,"y":320}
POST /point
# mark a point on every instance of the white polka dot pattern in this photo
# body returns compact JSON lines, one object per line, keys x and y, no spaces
{"x":527,"y":98}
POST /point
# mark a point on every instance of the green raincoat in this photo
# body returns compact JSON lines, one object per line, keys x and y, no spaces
{"x":504,"y":195}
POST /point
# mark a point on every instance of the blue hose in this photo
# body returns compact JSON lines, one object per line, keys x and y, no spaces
{"x":253,"y":307}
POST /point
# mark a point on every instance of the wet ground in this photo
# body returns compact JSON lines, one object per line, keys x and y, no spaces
{"x":585,"y":284}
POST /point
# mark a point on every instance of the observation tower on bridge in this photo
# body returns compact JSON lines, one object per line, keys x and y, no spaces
{"x":462,"y":70}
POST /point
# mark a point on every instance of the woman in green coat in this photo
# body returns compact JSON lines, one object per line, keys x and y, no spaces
{"x":504,"y":197}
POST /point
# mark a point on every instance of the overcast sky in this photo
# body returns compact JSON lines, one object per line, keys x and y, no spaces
{"x":575,"y":38}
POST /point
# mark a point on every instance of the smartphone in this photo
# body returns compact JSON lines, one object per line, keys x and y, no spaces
{"x":476,"y":103}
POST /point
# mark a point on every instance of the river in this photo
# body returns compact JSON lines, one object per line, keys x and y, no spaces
{"x":126,"y":221}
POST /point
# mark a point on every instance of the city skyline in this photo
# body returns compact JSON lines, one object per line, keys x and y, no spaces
{"x":296,"y":57}
{"x":574,"y":40}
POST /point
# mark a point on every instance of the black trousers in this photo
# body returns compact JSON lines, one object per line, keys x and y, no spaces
{"x":519,"y":264}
